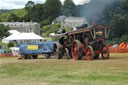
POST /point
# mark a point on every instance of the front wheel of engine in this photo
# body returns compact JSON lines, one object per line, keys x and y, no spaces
{"x":105,"y":52}
{"x":76,"y":50}
{"x":89,"y":53}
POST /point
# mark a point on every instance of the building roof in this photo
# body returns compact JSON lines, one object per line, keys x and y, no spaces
{"x":60,"y":18}
{"x":24,"y":36}
{"x":75,"y":20}
{"x":19,"y":23}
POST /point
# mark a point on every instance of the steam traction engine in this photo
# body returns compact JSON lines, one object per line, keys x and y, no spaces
{"x":88,"y":42}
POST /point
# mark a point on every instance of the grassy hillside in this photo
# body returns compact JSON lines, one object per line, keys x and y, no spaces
{"x":20,"y":13}
{"x":4,"y":11}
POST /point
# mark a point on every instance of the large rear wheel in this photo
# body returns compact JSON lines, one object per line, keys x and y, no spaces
{"x":105,"y":52}
{"x":89,"y":53}
{"x":76,"y":50}
{"x":60,"y":53}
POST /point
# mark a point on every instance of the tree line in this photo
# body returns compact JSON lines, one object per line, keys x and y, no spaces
{"x":41,"y":13}
{"x":114,"y":14}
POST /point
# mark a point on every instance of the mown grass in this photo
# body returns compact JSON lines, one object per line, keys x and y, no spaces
{"x":65,"y":72}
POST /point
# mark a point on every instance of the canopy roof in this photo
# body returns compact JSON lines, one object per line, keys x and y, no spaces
{"x":24,"y":36}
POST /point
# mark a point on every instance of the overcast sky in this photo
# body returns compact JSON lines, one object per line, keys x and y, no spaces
{"x":15,"y":4}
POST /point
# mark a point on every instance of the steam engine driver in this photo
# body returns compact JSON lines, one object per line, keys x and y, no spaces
{"x":86,"y":40}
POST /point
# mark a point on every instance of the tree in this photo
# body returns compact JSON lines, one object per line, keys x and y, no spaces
{"x":110,"y":10}
{"x":125,"y":4}
{"x":69,"y":8}
{"x":4,"y":17}
{"x":12,"y":17}
{"x":116,"y":15}
{"x":4,"y":31}
{"x":124,"y":38}
{"x":10,"y":45}
{"x":119,"y":25}
{"x":52,"y":9}
{"x":38,"y":12}
{"x":29,"y":7}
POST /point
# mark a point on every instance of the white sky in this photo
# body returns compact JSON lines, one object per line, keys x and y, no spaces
{"x":15,"y":4}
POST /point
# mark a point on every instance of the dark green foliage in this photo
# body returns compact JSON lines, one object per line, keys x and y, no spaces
{"x":16,"y":15}
{"x":123,"y":38}
{"x":113,"y":41}
{"x":69,"y":8}
{"x":13,"y":17}
{"x":29,"y":7}
{"x":21,"y":13}
{"x":119,"y":25}
{"x":38,"y":13}
{"x":52,"y":8}
{"x":4,"y":31}
{"x":10,"y":45}
{"x":125,"y":4}
{"x":116,"y":15}
{"x":109,"y":11}
{"x":4,"y":17}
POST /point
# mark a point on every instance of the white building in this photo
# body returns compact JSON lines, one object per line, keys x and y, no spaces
{"x":70,"y":22}
{"x":23,"y":26}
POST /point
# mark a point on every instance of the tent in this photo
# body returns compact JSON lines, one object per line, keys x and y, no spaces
{"x":23,"y":37}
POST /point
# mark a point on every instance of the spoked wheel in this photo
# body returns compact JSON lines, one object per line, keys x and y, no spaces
{"x":58,"y":49}
{"x":66,"y":53}
{"x":60,"y":53}
{"x":89,"y":53}
{"x":105,"y":52}
{"x":76,"y":52}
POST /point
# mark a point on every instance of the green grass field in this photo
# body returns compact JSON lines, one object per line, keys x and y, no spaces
{"x":113,"y":71}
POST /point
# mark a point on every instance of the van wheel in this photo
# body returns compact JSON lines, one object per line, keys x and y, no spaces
{"x":34,"y":56}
